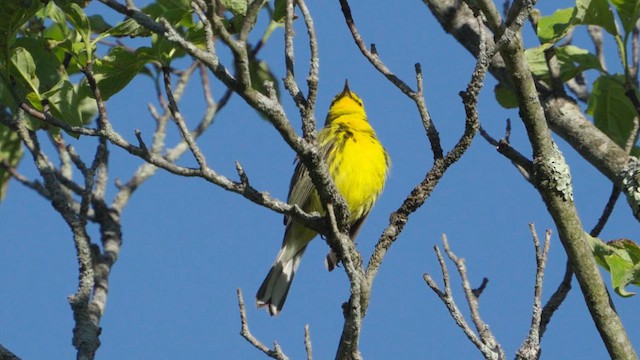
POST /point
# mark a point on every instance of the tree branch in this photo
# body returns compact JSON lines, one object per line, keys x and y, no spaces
{"x":276,"y":353}
{"x":530,"y":349}
{"x":553,"y":181}
{"x":485,"y":342}
{"x":564,"y":116}
{"x":5,"y":354}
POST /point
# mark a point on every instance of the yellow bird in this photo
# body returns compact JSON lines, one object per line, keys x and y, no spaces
{"x":358,"y":165}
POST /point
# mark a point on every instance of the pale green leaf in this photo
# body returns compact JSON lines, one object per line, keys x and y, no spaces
{"x":25,"y":68}
{"x":571,"y":60}
{"x":621,"y":258}
{"x":554,"y":27}
{"x":620,"y":274}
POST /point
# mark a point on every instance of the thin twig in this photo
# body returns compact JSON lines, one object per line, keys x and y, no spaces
{"x":474,"y":307}
{"x":422,"y":191}
{"x":556,"y":299}
{"x":522,"y":163}
{"x":307,"y":342}
{"x":489,"y":349}
{"x":530,"y":349}
{"x":416,"y":96}
{"x":314,"y":63}
{"x":180,"y":122}
{"x":595,"y":33}
{"x":276,"y":353}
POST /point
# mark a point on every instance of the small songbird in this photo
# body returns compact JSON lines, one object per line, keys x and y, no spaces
{"x":358,"y":165}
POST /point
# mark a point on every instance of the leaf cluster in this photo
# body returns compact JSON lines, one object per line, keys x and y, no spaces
{"x":44,"y":46}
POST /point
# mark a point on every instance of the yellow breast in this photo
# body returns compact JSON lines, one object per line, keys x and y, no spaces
{"x":357,"y":161}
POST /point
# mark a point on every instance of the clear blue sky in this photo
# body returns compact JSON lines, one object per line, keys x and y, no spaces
{"x":189,"y":245}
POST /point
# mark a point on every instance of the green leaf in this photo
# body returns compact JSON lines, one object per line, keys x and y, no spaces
{"x":79,"y":19}
{"x":34,"y":99}
{"x":176,"y":12}
{"x":63,"y":102}
{"x":129,"y":28}
{"x":626,"y":248}
{"x":6,"y":97}
{"x":622,"y":259}
{"x":98,"y":24}
{"x":610,"y":108}
{"x":620,"y":274}
{"x":505,"y":96}
{"x":165,"y":50}
{"x":53,"y":12}
{"x":25,"y":68}
{"x":599,"y":249}
{"x":279,"y":11}
{"x":47,"y":65}
{"x":596,"y":12}
{"x":554,"y":27}
{"x":10,"y":154}
{"x":571,"y":60}
{"x":586,"y":12}
{"x":14,"y":14}
{"x":118,"y":68}
{"x":628,"y":11}
{"x":87,"y":105}
{"x":237,"y":7}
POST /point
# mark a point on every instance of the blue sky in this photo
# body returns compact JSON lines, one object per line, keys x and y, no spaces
{"x":189,"y":245}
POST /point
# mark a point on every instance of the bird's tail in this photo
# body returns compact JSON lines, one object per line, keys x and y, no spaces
{"x":275,"y":287}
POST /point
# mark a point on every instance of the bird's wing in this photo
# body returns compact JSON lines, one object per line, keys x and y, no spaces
{"x":301,"y":186}
{"x":299,"y":189}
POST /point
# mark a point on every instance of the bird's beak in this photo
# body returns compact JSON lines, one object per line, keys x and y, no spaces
{"x":346,"y":91}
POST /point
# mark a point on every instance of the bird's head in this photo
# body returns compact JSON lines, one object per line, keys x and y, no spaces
{"x":346,"y":103}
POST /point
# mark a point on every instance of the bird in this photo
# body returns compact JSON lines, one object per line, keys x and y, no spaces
{"x":358,"y":165}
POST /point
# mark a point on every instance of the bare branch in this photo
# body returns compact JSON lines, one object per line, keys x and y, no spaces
{"x":486,"y":336}
{"x":314,"y":61}
{"x":556,"y":299}
{"x":489,"y":350}
{"x":276,"y":353}
{"x":307,"y":342}
{"x":595,"y":33}
{"x":177,"y":116}
{"x":5,"y":354}
{"x":530,"y":349}
{"x":524,"y":165}
{"x":422,"y":191}
{"x":416,"y":96}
